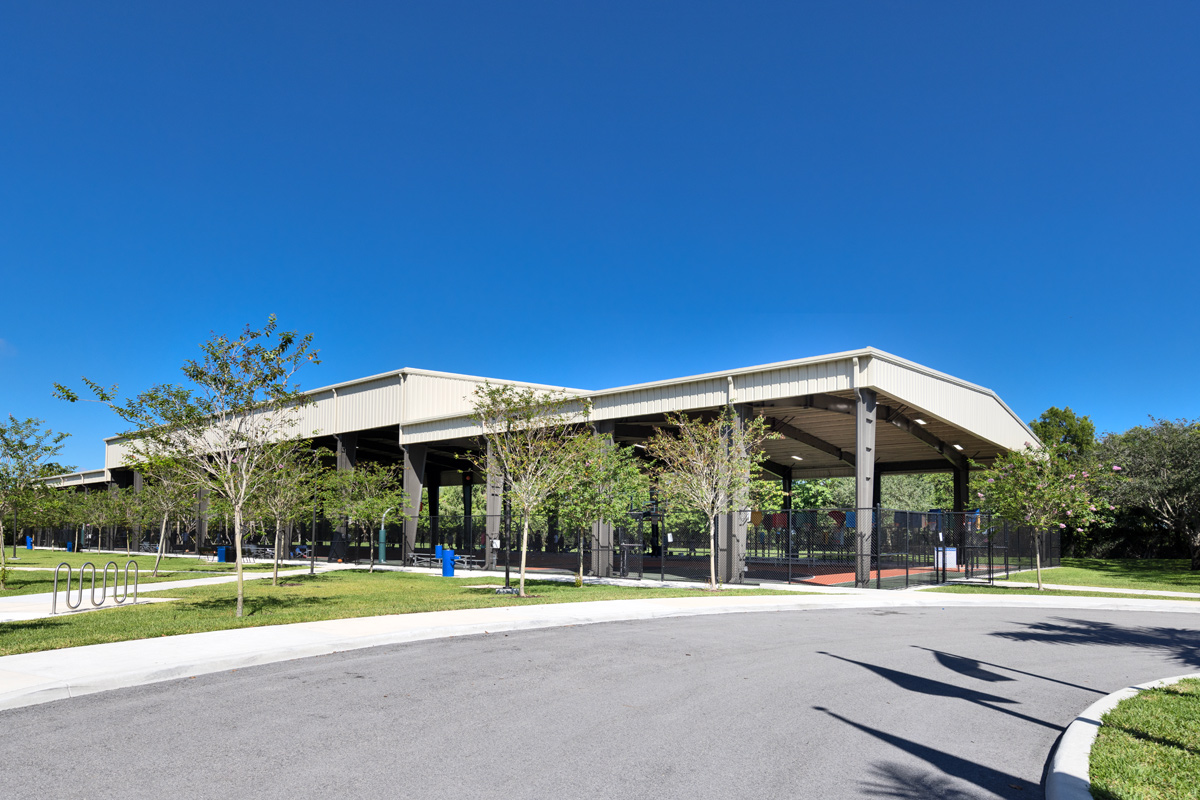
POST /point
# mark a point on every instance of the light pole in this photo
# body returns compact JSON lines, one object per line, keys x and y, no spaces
{"x":383,"y":534}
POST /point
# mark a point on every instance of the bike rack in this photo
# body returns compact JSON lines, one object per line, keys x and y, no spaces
{"x":103,"y":587}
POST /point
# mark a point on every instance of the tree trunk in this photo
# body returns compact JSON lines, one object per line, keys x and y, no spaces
{"x":712,"y":553}
{"x":237,"y":549}
{"x":1194,"y":541}
{"x":162,"y":541}
{"x":524,"y":550}
{"x":278,"y":529}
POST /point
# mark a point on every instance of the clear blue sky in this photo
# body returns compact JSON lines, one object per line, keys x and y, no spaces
{"x":595,"y":194}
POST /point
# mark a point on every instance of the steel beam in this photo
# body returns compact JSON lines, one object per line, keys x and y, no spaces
{"x":905,"y":424}
{"x":795,"y":434}
{"x":414,"y":482}
{"x":864,"y":488}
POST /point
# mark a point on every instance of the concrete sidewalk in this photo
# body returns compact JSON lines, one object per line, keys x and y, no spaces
{"x":33,"y":678}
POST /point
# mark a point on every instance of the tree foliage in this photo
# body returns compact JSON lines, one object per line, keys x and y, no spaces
{"x":604,"y":483}
{"x":26,"y":448}
{"x":225,"y":424}
{"x":1064,"y":427}
{"x":531,"y":434}
{"x":707,"y":465}
{"x":1048,"y":488}
{"x":1162,"y":465}
{"x":362,"y":495}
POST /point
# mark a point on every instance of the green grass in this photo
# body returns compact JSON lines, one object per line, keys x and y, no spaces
{"x":1161,"y":574}
{"x":1149,"y":746}
{"x":22,"y":581}
{"x":1012,"y":591}
{"x":333,"y":595}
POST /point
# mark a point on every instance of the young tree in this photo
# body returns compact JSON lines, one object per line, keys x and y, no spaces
{"x":1047,"y":488}
{"x":241,"y":402}
{"x":707,"y":466}
{"x":168,"y":491}
{"x":603,"y":484}
{"x":1162,"y":462}
{"x":531,"y":434}
{"x":25,"y":448}
{"x":362,"y":496}
{"x":288,"y":492}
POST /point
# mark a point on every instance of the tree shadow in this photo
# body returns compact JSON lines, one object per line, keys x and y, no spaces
{"x":260,"y":604}
{"x":922,"y":685}
{"x":973,"y":668}
{"x":889,"y":779}
{"x":1181,"y":644}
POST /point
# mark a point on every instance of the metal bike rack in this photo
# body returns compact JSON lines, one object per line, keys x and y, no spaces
{"x":103,"y":587}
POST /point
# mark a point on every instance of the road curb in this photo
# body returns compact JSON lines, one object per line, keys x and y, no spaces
{"x":1067,"y":778}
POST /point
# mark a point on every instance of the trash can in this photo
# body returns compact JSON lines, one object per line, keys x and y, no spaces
{"x":226,"y":555}
{"x":71,"y":547}
{"x":447,"y":563}
{"x":28,"y":542}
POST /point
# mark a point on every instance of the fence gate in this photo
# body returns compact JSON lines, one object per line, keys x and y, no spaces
{"x":628,"y":548}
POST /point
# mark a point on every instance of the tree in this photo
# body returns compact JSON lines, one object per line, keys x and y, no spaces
{"x":531,"y":434}
{"x":1047,"y":488}
{"x":1063,"y":426}
{"x":289,"y":492}
{"x":362,"y":496}
{"x":1162,"y":465}
{"x":766,"y":494}
{"x":169,"y":490}
{"x":707,"y":466}
{"x":241,"y":403}
{"x":811,"y":494}
{"x":604,"y":483}
{"x":25,"y":448}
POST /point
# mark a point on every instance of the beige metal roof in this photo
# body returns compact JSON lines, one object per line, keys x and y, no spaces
{"x":431,"y":406}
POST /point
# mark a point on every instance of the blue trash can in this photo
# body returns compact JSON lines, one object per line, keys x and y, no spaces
{"x":70,"y":547}
{"x":447,"y":563}
{"x":28,"y":542}
{"x":226,"y":555}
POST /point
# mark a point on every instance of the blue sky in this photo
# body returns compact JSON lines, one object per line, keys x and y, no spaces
{"x":595,"y":194}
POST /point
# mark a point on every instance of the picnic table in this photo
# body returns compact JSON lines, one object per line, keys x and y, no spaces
{"x":433,"y":562}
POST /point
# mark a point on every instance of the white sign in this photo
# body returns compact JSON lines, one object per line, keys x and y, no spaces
{"x":495,"y":544}
{"x":670,"y":537}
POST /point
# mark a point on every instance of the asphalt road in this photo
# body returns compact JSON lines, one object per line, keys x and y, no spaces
{"x":921,"y":703}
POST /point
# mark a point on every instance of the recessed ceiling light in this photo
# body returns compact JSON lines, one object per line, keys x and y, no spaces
{"x":798,"y":458}
{"x":919,"y":421}
{"x":958,"y":447}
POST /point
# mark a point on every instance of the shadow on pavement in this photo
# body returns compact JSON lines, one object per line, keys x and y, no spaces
{"x":1181,"y":644}
{"x":900,"y":781}
{"x":973,"y":668}
{"x":922,"y":685}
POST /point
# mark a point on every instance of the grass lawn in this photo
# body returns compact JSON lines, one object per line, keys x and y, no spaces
{"x":1009,"y":591}
{"x":1162,"y":574}
{"x":1149,"y":746}
{"x":333,"y":595}
{"x":21,"y":581}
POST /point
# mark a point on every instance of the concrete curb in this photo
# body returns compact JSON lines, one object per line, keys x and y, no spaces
{"x":1068,"y":776}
